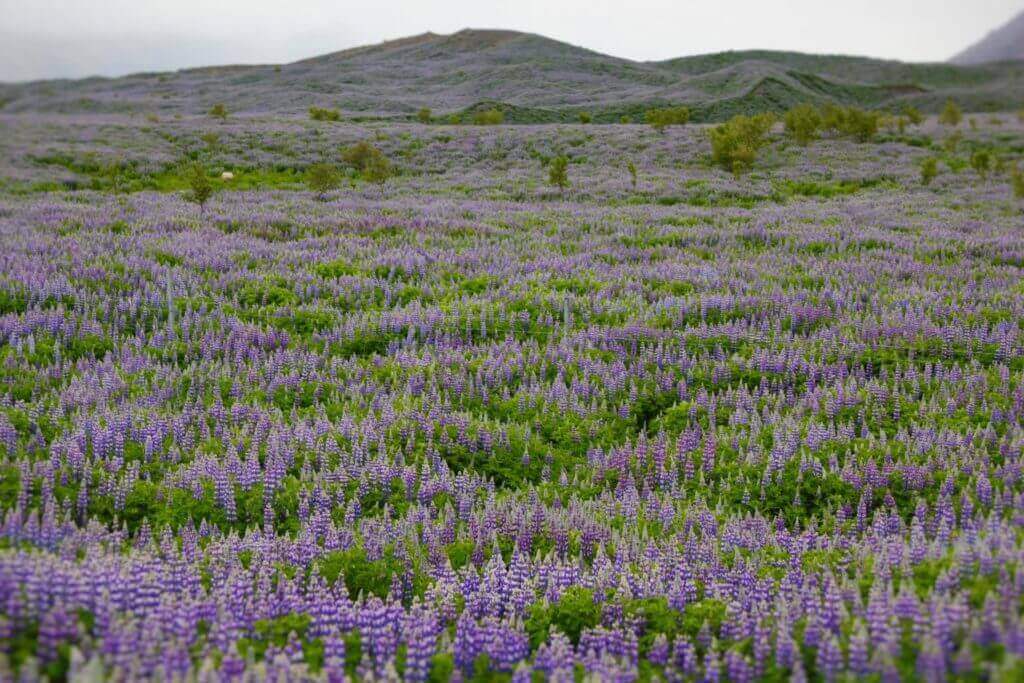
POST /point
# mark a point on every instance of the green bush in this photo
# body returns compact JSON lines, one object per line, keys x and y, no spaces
{"x":929,"y":169}
{"x":584,"y":117}
{"x":735,"y":143}
{"x":803,"y":123}
{"x":424,"y":115}
{"x":323,"y":178}
{"x":631,"y":167}
{"x":200,"y":188}
{"x":981,"y":162}
{"x":859,"y":124}
{"x":371,"y":163}
{"x":319,"y":114}
{"x":951,"y":114}
{"x":219,"y":111}
{"x":913,"y":115}
{"x":489,"y":117}
{"x":575,"y":611}
{"x":659,"y":119}
{"x":1017,"y":180}
{"x":558,"y":173}
{"x":360,"y":574}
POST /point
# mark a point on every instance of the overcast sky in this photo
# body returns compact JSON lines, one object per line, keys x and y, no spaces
{"x":73,"y":38}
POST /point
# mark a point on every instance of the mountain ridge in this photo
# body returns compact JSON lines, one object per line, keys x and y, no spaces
{"x":531,"y":77}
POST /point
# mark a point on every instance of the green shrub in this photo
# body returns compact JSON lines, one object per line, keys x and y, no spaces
{"x":1017,"y":180}
{"x":631,"y":167}
{"x":219,"y":111}
{"x":558,"y":173}
{"x":360,"y":574}
{"x":323,"y":178}
{"x":951,"y":114}
{"x":735,"y":143}
{"x":952,"y":141}
{"x":319,"y":114}
{"x":659,"y":119}
{"x":803,"y":123}
{"x":378,"y":170}
{"x":584,"y":117}
{"x":625,"y":119}
{"x":929,"y":169}
{"x":371,"y":163}
{"x":861,"y":125}
{"x":575,"y":611}
{"x":913,"y":115}
{"x":200,"y":188}
{"x":489,"y":117}
{"x":424,"y":115}
{"x":981,"y":162}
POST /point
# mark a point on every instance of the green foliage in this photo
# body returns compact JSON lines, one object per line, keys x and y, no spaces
{"x":1017,"y":181}
{"x":219,"y":111}
{"x":575,"y":611}
{"x":361,"y":576}
{"x":200,"y":187}
{"x":661,"y":118}
{"x":360,"y":155}
{"x":951,"y":114}
{"x":323,"y":178}
{"x":488,"y":117}
{"x":371,"y":163}
{"x":424,"y":115}
{"x":859,"y":124}
{"x":929,"y":170}
{"x":913,"y":115}
{"x":952,"y":141}
{"x":558,"y":172}
{"x":803,"y":123}
{"x":735,"y":143}
{"x":631,"y":167}
{"x":981,"y":162}
{"x":585,"y":117}
{"x":321,"y":114}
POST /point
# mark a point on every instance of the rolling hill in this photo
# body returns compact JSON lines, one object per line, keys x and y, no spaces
{"x":531,"y":78}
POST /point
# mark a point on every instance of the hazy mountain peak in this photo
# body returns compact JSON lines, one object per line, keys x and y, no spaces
{"x":1004,"y":44}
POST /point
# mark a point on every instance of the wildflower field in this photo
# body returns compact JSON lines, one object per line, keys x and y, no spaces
{"x":659,"y":422}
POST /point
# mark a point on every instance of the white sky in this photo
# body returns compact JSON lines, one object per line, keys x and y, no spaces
{"x":69,"y":38}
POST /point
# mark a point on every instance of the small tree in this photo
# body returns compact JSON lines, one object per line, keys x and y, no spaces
{"x":322,"y":178}
{"x":558,"y":173}
{"x":735,"y":143}
{"x":219,"y":111}
{"x":913,"y":115}
{"x":951,"y":114}
{"x":200,"y":188}
{"x":803,"y":123}
{"x":659,"y":119}
{"x":860,"y":124}
{"x":584,"y":117}
{"x":929,"y":169}
{"x":424,"y":115}
{"x":624,"y":120}
{"x":981,"y":162}
{"x":1017,"y":180}
{"x":631,"y":167}
{"x":378,"y":170}
{"x":952,"y":141}
{"x":360,"y":155}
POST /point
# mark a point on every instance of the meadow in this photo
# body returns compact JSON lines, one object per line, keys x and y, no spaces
{"x":657,"y":421}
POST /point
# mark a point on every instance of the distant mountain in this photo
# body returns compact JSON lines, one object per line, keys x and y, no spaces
{"x":1002,"y":45}
{"x":531,"y":78}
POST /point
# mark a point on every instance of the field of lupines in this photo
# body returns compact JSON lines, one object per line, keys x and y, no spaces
{"x":462,"y":426}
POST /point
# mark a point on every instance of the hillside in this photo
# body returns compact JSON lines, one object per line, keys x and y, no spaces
{"x":532,"y":78}
{"x":1004,"y":44}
